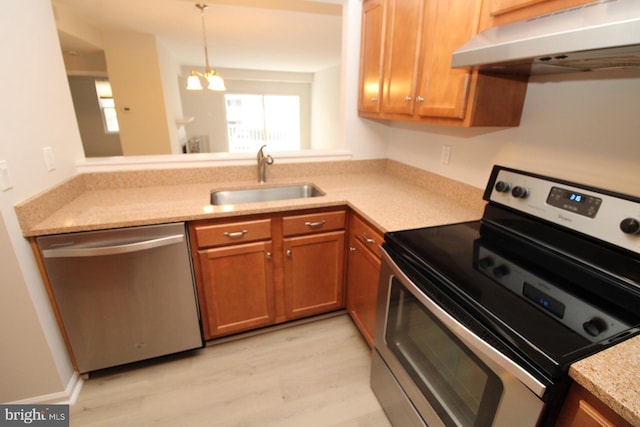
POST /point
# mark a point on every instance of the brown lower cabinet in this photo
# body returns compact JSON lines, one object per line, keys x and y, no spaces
{"x":261,"y":270}
{"x":363,"y":269}
{"x":583,"y":409}
{"x":237,"y":291}
{"x":313,"y":274}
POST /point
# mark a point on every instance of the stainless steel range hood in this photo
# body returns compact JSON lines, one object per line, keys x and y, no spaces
{"x":599,"y":35}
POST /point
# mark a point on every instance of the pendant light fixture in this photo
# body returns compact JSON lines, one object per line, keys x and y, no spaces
{"x":214,"y":80}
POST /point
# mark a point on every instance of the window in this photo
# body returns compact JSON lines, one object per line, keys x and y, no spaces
{"x":254,"y":120}
{"x":107,"y":106}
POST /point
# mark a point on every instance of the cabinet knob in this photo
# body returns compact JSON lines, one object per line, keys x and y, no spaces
{"x":288,"y":252}
{"x":367,"y":238}
{"x":374,"y":99}
{"x":269,"y":255}
{"x":408,"y":98}
{"x":352,"y":249}
{"x":419,"y":99}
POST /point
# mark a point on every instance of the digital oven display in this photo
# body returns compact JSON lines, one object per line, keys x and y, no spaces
{"x":575,"y":197}
{"x":575,"y":202}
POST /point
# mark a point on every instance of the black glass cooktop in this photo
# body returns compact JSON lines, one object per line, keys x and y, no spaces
{"x":552,"y":301}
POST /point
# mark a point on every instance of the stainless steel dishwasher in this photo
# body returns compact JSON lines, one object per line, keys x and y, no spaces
{"x":124,"y":295}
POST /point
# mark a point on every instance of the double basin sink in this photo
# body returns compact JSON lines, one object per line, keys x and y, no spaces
{"x":264,"y":194}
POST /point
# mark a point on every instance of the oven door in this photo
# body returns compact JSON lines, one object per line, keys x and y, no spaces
{"x":447,"y":374}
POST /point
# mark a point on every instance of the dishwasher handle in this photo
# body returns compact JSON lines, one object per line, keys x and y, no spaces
{"x":113,"y":250}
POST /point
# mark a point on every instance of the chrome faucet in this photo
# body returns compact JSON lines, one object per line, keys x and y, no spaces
{"x":262,"y":162}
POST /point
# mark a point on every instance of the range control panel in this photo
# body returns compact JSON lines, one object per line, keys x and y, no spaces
{"x":602,"y":214}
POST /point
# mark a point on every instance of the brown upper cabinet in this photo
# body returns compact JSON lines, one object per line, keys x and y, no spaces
{"x":407,"y":45}
{"x":372,"y":49}
{"x":505,"y":11}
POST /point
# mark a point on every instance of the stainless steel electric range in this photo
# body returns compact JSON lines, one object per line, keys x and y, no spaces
{"x":478,"y":322}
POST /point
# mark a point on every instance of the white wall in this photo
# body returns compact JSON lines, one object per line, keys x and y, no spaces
{"x":325,"y":109}
{"x":135,"y":76}
{"x":95,"y":141}
{"x":169,"y":70}
{"x":35,"y":111}
{"x":577,"y":127}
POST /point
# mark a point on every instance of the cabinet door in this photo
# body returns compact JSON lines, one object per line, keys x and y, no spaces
{"x":443,"y":91}
{"x":583,"y":409}
{"x":505,"y":11}
{"x":313,"y":274}
{"x":362,"y":287}
{"x":371,"y":54}
{"x":403,"y":25}
{"x":237,"y":282}
{"x":504,"y":6}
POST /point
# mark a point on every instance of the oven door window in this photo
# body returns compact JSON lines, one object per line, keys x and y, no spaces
{"x":459,"y":386}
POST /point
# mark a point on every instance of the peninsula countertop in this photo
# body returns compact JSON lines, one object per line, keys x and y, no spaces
{"x":402,"y":198}
{"x":390,"y":195}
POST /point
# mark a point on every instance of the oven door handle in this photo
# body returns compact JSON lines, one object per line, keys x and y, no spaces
{"x":476,"y":344}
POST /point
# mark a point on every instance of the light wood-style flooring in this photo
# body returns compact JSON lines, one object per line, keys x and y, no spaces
{"x":314,"y":374}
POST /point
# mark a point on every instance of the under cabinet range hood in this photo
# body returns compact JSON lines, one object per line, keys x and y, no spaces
{"x":595,"y":36}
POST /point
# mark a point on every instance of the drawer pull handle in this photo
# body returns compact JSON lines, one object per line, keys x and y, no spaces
{"x":235,"y":234}
{"x":368,"y":239}
{"x":315,"y":224}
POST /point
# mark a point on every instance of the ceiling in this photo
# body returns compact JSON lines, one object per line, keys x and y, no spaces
{"x":279,"y":35}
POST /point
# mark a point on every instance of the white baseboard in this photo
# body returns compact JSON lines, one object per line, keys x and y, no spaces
{"x":67,"y":397}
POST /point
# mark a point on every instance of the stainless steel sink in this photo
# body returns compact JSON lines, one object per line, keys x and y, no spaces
{"x":264,"y":194}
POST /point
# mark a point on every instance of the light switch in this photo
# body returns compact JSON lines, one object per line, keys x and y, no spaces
{"x":49,"y":160}
{"x":5,"y":179}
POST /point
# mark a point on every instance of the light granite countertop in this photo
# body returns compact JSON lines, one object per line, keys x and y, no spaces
{"x":391,"y":198}
{"x":390,"y":195}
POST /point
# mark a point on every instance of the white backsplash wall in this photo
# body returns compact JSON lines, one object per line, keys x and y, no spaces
{"x":575,"y":127}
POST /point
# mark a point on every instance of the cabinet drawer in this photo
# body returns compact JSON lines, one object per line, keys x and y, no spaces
{"x":232,"y":233}
{"x":313,"y":223}
{"x":368,"y":235}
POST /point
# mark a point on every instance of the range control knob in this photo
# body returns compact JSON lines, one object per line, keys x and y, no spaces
{"x":595,"y":326}
{"x":486,"y":262}
{"x":502,"y":187}
{"x":501,"y":271}
{"x":630,"y":226}
{"x":519,"y":192}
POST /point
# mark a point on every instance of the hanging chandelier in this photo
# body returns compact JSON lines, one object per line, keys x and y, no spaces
{"x":214,"y":81}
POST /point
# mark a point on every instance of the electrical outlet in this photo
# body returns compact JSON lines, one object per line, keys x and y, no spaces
{"x":5,"y":179}
{"x":49,"y":159}
{"x":445,"y":154}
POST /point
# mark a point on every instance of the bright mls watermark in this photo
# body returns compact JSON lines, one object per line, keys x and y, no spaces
{"x":35,"y":415}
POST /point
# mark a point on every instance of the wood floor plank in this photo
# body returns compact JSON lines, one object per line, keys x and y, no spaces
{"x":313,"y":375}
